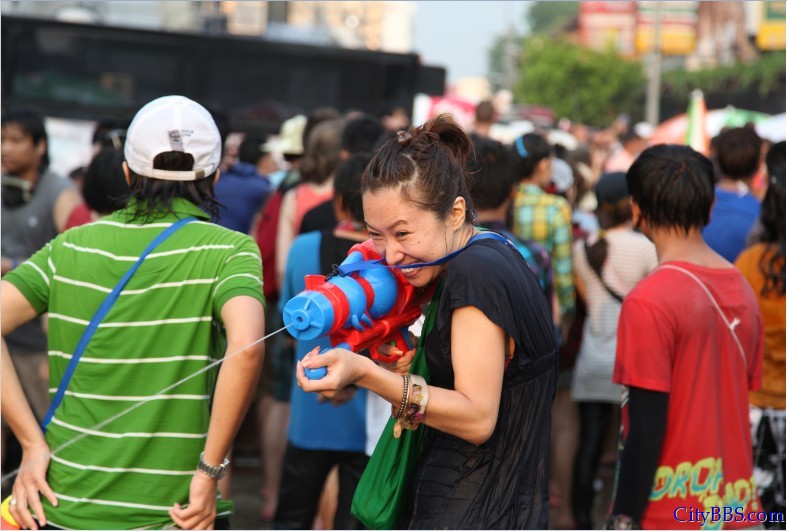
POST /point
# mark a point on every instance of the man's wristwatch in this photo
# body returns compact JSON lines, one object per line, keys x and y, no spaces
{"x":215,"y":472}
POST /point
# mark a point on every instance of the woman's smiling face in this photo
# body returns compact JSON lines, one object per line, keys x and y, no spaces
{"x":403,"y":232}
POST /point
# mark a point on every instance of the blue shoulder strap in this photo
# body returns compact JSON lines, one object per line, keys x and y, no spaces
{"x":347,"y":269}
{"x":99,"y":316}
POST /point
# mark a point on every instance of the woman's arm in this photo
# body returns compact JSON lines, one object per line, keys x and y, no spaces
{"x":468,"y":412}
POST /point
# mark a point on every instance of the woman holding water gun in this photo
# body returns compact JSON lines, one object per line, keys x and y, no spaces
{"x":488,"y":344}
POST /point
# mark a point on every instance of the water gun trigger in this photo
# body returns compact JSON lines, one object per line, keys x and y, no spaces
{"x":400,"y":340}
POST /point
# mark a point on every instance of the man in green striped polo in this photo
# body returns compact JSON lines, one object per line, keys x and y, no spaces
{"x":140,"y":437}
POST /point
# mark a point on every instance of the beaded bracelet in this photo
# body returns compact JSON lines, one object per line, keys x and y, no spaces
{"x":416,"y":407}
{"x":405,"y":397}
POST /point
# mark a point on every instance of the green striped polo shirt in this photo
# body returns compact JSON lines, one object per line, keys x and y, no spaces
{"x":165,"y":326}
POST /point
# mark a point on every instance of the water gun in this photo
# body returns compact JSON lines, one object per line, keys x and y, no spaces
{"x":7,"y":521}
{"x":360,"y":310}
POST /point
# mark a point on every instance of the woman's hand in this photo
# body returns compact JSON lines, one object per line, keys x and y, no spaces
{"x":401,"y":365}
{"x":201,"y":511}
{"x":344,"y":368}
{"x":29,"y":482}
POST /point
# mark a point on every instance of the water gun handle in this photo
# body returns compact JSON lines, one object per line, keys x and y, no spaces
{"x":320,"y":372}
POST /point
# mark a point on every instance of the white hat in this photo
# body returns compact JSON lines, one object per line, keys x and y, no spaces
{"x":290,"y":139}
{"x":173,"y":123}
{"x":643,"y":130}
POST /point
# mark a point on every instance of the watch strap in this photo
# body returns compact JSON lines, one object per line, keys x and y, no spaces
{"x":215,"y":472}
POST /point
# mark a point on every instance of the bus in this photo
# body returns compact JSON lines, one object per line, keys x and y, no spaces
{"x":94,"y":72}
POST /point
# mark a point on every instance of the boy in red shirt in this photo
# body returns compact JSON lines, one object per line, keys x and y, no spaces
{"x":689,"y":350}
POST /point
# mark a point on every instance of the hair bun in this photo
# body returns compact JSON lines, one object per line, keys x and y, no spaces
{"x":404,"y":137}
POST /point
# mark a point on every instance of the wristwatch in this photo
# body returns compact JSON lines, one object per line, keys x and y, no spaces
{"x":215,"y":472}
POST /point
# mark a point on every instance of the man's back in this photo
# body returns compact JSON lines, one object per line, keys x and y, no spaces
{"x":731,"y":221}
{"x":241,"y":192}
{"x":164,"y":328}
{"x":672,"y":339}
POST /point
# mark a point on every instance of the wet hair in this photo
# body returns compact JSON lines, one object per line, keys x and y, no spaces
{"x":249,"y":150}
{"x":104,"y":185}
{"x":323,"y":152}
{"x":31,"y":122}
{"x":775,"y":158}
{"x":673,"y":186}
{"x":493,"y":179}
{"x":347,"y":184}
{"x":738,"y":152}
{"x":360,"y":134}
{"x":772,"y":218}
{"x":155,"y":196}
{"x":528,"y":150}
{"x":426,"y":164}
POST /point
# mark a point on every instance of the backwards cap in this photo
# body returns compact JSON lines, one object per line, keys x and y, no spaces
{"x":173,"y":123}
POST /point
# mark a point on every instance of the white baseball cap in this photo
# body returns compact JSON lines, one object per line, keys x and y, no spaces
{"x":173,"y":123}
{"x":290,"y":139}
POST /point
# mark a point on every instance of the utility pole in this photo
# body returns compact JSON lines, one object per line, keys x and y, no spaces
{"x":653,"y":93}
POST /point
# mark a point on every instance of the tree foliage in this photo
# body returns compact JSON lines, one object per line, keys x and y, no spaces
{"x":579,"y":83}
{"x":764,"y":75}
{"x":544,"y":17}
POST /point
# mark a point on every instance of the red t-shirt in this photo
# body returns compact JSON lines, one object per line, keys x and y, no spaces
{"x":672,"y":339}
{"x":80,"y":215}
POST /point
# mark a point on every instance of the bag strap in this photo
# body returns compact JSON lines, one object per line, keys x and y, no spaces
{"x":347,"y":269}
{"x":730,"y":325}
{"x":99,"y":316}
{"x":611,"y":292}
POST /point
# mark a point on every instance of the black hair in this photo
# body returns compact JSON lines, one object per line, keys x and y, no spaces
{"x":527,"y":151}
{"x":772,"y":218}
{"x":426,"y":164}
{"x":104,"y":185}
{"x":222,"y":122}
{"x":347,"y":184}
{"x":493,"y":178}
{"x":738,"y":152}
{"x":104,"y":127}
{"x":775,"y":158}
{"x":77,"y":174}
{"x":609,"y":214}
{"x":673,"y":186}
{"x":322,"y":154}
{"x":155,"y":196}
{"x":31,"y":122}
{"x":360,"y":134}
{"x":249,"y":150}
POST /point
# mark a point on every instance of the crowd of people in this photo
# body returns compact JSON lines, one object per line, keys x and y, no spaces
{"x":628,"y":324}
